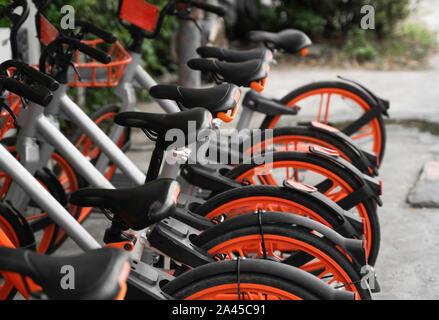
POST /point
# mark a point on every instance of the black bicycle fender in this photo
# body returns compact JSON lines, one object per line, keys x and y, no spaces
{"x":371,"y":185}
{"x":352,"y":247}
{"x":364,"y":161}
{"x":257,"y":266}
{"x":6,"y":209}
{"x":346,"y":228}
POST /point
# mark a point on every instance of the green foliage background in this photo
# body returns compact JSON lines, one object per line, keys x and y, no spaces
{"x":329,"y":18}
{"x":395,"y":40}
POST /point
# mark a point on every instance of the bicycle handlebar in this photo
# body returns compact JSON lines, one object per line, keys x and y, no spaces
{"x":94,"y":53}
{"x":101,"y":33}
{"x":41,"y":78}
{"x":65,"y":60}
{"x":30,"y":72}
{"x":39,"y":95}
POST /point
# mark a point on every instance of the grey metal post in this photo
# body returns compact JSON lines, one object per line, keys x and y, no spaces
{"x":188,"y":40}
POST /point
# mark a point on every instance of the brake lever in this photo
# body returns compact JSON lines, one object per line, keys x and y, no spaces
{"x":75,"y":70}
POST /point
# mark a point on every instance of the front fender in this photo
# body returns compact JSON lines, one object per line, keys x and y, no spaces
{"x":371,"y":187}
{"x":351,"y":247}
{"x":256,"y":266}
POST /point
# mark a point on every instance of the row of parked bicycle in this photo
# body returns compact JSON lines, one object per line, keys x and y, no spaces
{"x":303,"y":225}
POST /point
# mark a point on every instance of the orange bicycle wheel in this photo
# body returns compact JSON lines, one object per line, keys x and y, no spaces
{"x":311,"y":170}
{"x":50,"y":238}
{"x":337,"y":104}
{"x":20,"y":235}
{"x":249,"y":291}
{"x":104,"y":119}
{"x":250,"y":279}
{"x":294,"y":246}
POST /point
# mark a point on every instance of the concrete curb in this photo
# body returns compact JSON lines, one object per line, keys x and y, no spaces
{"x":426,"y":190}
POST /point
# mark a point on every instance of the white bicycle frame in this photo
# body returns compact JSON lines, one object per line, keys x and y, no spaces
{"x":38,"y":124}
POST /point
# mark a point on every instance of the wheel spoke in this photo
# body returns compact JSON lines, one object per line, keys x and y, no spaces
{"x":361,"y":136}
{"x":319,"y":116}
{"x":321,"y":274}
{"x":299,"y":259}
{"x":336,"y":196}
{"x":327,"y":108}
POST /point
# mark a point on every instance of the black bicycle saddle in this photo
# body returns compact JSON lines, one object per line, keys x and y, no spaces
{"x":96,"y":275}
{"x":221,"y":98}
{"x":242,"y":74}
{"x":138,"y":207}
{"x":161,"y":123}
{"x":235,"y":55}
{"x":289,"y":40}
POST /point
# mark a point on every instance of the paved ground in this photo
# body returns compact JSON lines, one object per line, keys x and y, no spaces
{"x":410,"y":242}
{"x":409,"y":249}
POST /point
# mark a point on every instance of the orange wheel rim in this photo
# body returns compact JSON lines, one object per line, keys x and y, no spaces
{"x":69,"y":182}
{"x":48,"y":232}
{"x":5,"y":184}
{"x":253,"y":204}
{"x":249,"y":291}
{"x":278,"y":247}
{"x":7,"y":286}
{"x":46,"y":240}
{"x":9,"y":231}
{"x":67,"y":176}
{"x":4,"y":178}
{"x":339,"y":190}
{"x":372,"y":129}
{"x":86,"y":143}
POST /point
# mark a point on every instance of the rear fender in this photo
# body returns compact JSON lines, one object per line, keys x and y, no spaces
{"x":351,"y":247}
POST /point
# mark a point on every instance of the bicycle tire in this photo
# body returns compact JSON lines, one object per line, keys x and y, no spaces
{"x":262,"y":276}
{"x":20,"y":234}
{"x":310,"y":244}
{"x":368,"y":207}
{"x":345,"y":88}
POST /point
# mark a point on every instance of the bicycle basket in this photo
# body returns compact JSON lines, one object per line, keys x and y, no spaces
{"x":95,"y":74}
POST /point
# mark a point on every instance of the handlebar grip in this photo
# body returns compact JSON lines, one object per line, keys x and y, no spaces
{"x":94,"y":53}
{"x":101,"y":33}
{"x":220,"y":11}
{"x":40,"y":95}
{"x":41,"y":78}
